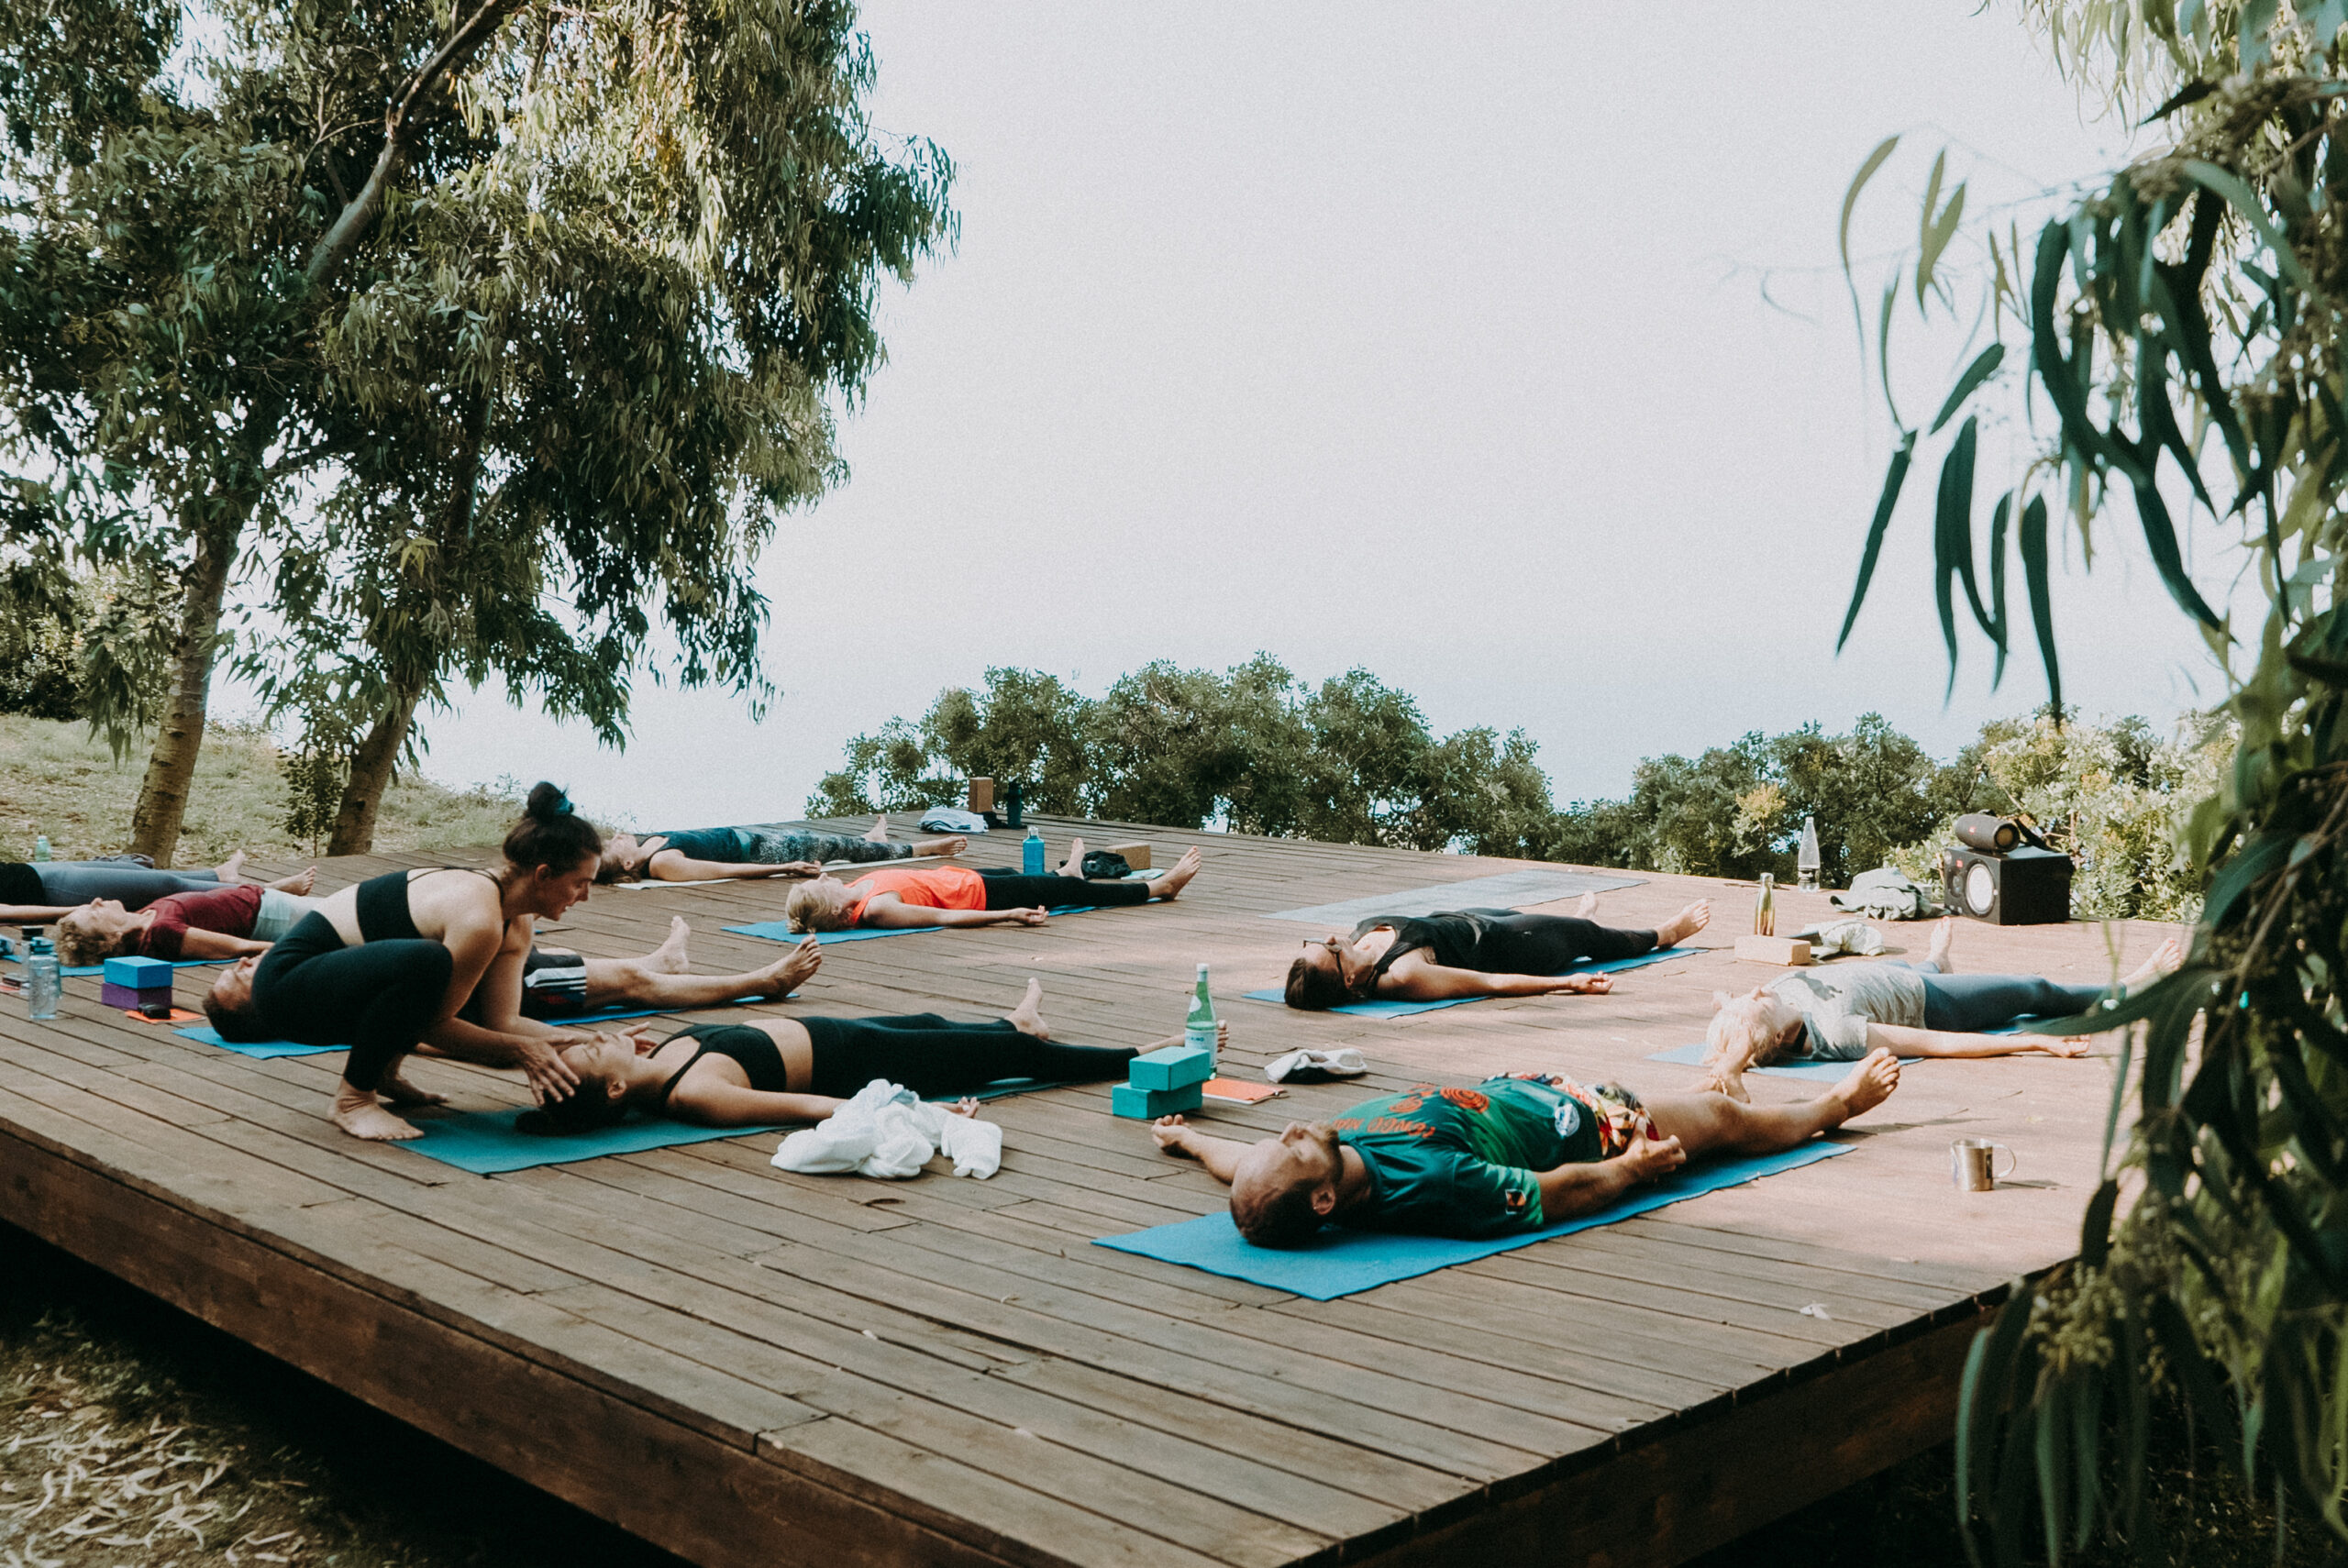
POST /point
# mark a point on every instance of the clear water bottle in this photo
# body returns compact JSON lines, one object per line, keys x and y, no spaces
{"x":1031,"y":853}
{"x":43,"y":980}
{"x":1199,"y":1030}
{"x":1806,"y":858}
{"x":40,"y":847}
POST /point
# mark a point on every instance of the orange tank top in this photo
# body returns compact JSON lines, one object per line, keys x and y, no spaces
{"x":926,"y":886}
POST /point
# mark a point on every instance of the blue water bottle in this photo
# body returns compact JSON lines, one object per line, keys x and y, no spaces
{"x":1031,"y":853}
{"x":42,"y":978}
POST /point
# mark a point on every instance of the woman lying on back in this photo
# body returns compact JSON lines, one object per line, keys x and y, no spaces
{"x":1472,"y":953}
{"x":955,"y":895}
{"x":771,"y":1070}
{"x":37,"y":892}
{"x":710,"y":854}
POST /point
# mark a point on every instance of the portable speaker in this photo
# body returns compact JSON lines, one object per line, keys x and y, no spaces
{"x":2022,"y":887}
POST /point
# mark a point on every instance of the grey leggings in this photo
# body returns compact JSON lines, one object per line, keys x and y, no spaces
{"x":773,"y":847}
{"x":1975,"y":1004}
{"x":79,"y":881}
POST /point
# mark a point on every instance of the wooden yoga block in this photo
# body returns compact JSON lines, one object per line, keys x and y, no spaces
{"x":982,"y":795}
{"x":1176,"y":1067}
{"x":1148,"y":1105}
{"x":138,"y":974}
{"x":1136,"y":854}
{"x":130,"y":997}
{"x":1792,"y":951}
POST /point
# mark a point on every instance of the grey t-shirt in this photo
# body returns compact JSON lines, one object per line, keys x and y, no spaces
{"x":1838,"y":1004}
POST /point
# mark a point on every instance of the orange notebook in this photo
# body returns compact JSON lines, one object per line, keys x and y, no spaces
{"x":1239,"y":1092}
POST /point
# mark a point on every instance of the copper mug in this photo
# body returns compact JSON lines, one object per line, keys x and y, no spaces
{"x":1972,"y":1164}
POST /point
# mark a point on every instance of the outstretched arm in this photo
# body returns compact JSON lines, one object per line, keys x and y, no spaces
{"x":1570,"y":1190}
{"x":891,"y":912}
{"x":198,"y":943}
{"x":731,"y":1105}
{"x":676,"y":865}
{"x":1219,"y":1155}
{"x":35,"y":914}
{"x":1437,"y":982}
{"x":1906,"y":1042}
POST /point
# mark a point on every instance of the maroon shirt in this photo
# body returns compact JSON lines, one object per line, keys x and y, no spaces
{"x":230,"y":910}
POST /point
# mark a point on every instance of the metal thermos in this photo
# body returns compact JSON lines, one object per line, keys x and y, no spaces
{"x":1013,"y":804}
{"x":1765,"y":907}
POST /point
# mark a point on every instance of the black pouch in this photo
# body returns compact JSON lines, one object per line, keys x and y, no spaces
{"x":1104,"y":865}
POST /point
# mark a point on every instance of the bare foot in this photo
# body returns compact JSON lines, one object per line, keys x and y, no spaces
{"x":399,"y":1091}
{"x":1074,"y":865}
{"x":944,"y":848}
{"x":786,"y":975}
{"x":670,"y":957}
{"x":1684,"y":924}
{"x":1584,"y":907}
{"x":1868,"y":1085}
{"x":299,"y":884}
{"x":1177,"y":876}
{"x":2166,"y":959}
{"x":879,"y":832}
{"x":356,"y":1112}
{"x":1943,"y":938}
{"x":231,"y":869}
{"x":1028,"y":1017}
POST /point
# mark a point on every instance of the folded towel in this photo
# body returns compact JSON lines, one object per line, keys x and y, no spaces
{"x":888,"y":1131}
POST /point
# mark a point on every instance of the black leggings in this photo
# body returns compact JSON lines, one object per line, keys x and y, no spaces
{"x":1519,"y":944}
{"x":1009,"y":890}
{"x":378,"y":997}
{"x":935,"y":1056}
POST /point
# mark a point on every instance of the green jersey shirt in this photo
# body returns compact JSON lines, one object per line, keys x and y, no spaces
{"x":1461,"y":1161}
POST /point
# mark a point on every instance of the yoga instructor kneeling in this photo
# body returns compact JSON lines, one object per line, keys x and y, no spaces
{"x":395,"y":961}
{"x":1513,"y":1153}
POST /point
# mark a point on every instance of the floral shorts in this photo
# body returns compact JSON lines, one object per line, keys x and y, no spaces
{"x":1617,"y":1111}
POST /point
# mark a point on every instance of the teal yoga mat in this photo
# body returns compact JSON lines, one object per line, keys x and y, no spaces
{"x":1405,"y":1009}
{"x":205,"y":1034}
{"x":1820,"y":1072}
{"x":486,"y":1142}
{"x":1339,"y":1262}
{"x":779,"y":930}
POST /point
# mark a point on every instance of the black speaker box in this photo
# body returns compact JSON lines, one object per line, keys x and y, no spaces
{"x":2021,"y":887}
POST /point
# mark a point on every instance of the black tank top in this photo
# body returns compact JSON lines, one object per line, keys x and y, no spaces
{"x":1459,"y":939}
{"x":382,"y":908}
{"x":753,"y":1050}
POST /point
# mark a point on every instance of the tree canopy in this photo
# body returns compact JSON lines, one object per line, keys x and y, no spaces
{"x":394,"y":345}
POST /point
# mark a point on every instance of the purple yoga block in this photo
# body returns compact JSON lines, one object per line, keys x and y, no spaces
{"x":129,"y":996}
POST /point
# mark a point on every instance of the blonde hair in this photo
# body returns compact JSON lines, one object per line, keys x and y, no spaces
{"x":1742,"y":1026}
{"x":79,"y":947}
{"x":811,"y":907}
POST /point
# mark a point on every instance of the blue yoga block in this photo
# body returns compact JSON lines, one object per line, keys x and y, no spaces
{"x":1148,"y":1105}
{"x":138,"y":974}
{"x":127,"y":997}
{"x":1177,"y":1067}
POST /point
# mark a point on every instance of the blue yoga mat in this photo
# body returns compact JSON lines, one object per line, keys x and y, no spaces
{"x":779,"y":930}
{"x":205,"y":1034}
{"x":1340,"y":1262}
{"x":1822,"y":1072}
{"x":83,"y":971}
{"x":1382,"y":1009}
{"x":485,"y":1142}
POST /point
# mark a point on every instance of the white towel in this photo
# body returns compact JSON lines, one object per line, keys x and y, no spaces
{"x":887,"y":1131}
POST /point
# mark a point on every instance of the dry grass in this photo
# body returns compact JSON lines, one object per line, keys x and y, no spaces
{"x":55,"y":779}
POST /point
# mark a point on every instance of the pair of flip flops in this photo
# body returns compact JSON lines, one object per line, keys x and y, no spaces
{"x":1315,"y":1066}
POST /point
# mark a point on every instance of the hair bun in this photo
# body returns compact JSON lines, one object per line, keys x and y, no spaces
{"x":547,"y":802}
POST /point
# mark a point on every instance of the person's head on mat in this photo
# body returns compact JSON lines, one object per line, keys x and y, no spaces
{"x":624,"y":859}
{"x":605,"y":1066}
{"x":820,"y":904}
{"x":1509,"y":1155}
{"x":1757,"y":1029}
{"x":99,"y":929}
{"x":1328,"y":974}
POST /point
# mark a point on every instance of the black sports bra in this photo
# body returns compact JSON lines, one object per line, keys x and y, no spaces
{"x":753,"y":1050}
{"x":383,"y":906}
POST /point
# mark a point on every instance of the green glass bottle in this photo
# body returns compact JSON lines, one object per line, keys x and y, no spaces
{"x":1198,"y":1029}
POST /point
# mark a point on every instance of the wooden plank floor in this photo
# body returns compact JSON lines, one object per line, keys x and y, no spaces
{"x":756,"y":1368}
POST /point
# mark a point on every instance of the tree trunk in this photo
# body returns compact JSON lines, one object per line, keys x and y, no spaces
{"x":371,"y":774}
{"x":170,"y":766}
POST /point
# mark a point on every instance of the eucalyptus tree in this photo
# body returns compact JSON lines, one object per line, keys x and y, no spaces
{"x":2179,"y":330}
{"x":533,"y":320}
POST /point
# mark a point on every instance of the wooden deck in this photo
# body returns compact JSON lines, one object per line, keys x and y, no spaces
{"x":757,"y":1369}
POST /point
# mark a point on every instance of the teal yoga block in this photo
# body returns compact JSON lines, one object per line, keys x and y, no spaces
{"x":1148,"y":1105}
{"x":1177,"y":1067}
{"x":139,"y":973}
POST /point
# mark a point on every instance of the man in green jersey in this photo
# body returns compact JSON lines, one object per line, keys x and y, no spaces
{"x":1511,"y":1154}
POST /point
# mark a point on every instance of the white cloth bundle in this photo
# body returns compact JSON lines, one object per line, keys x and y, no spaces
{"x":887,"y":1131}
